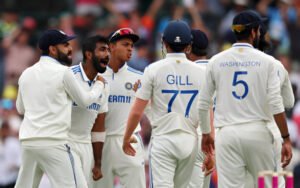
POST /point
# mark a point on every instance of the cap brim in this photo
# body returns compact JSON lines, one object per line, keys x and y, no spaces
{"x":133,"y":37}
{"x":68,"y":38}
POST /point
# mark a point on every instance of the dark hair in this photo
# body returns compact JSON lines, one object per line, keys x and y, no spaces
{"x":198,"y":52}
{"x":244,"y":35}
{"x":89,"y":44}
{"x":46,"y":52}
{"x":177,"y":48}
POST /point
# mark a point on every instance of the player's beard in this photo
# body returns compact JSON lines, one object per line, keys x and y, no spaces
{"x":64,"y":57}
{"x":97,"y":61}
{"x":264,"y":45}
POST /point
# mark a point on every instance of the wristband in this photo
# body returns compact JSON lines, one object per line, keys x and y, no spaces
{"x":285,"y":136}
{"x":98,"y":137}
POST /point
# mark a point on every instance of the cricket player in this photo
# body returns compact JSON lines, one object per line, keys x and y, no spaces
{"x":172,"y":84}
{"x":200,"y":178}
{"x":288,"y":98}
{"x":85,"y":127}
{"x":46,"y":93}
{"x":247,"y":94}
{"x":121,"y":80}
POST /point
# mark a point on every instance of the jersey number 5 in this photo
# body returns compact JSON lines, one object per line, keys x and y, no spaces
{"x":236,"y":82}
{"x":175,"y":93}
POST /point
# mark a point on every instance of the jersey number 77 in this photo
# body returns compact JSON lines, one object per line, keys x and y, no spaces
{"x":175,"y":93}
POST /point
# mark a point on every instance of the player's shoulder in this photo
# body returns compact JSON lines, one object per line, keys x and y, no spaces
{"x":156,"y":65}
{"x":220,"y":55}
{"x":134,"y":71}
{"x":75,"y":69}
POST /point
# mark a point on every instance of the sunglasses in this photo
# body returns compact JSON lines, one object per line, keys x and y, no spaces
{"x":123,"y":31}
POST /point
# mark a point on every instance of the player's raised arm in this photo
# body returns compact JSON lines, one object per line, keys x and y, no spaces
{"x":78,"y":94}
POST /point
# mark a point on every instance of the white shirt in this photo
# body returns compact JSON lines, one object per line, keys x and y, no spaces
{"x":10,"y":160}
{"x":172,"y":84}
{"x":286,"y":89}
{"x":121,"y":98}
{"x":286,"y":92}
{"x":46,"y":92}
{"x":202,"y":63}
{"x":245,"y":81}
{"x":83,"y":118}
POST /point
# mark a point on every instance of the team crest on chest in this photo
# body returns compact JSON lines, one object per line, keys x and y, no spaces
{"x":128,"y":85}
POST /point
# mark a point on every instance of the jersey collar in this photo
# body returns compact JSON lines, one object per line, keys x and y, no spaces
{"x":176,"y":55}
{"x":50,"y":59}
{"x":201,"y":61}
{"x":247,"y":45}
{"x":83,"y":75}
{"x":123,"y":67}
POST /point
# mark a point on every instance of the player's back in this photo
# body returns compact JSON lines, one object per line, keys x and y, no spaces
{"x":176,"y":83}
{"x":45,"y":101}
{"x":245,"y":81}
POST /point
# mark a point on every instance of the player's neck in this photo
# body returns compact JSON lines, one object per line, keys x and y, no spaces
{"x":194,"y":57}
{"x":115,"y":64}
{"x":245,"y":41}
{"x":89,"y":70}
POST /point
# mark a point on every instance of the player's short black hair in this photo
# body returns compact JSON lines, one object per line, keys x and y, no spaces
{"x":46,"y":52}
{"x":89,"y":44}
{"x":198,"y":52}
{"x":178,"y":47}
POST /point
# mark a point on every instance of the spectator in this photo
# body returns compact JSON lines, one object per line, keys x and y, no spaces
{"x":18,"y":54}
{"x":140,"y":56}
{"x":10,"y":155}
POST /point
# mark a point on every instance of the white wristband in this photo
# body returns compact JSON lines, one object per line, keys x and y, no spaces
{"x":98,"y":136}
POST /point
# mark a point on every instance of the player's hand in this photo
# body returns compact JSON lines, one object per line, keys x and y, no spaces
{"x":127,"y":148}
{"x":209,"y":165}
{"x":100,"y":78}
{"x":286,"y":152}
{"x":97,"y":173}
{"x":208,"y":144}
{"x":136,"y":85}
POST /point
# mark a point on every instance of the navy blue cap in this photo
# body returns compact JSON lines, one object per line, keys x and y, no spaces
{"x":247,"y":19}
{"x":177,"y":32}
{"x":200,"y":39}
{"x":53,"y":37}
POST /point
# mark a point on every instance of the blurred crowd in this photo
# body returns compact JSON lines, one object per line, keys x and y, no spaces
{"x":20,"y":31}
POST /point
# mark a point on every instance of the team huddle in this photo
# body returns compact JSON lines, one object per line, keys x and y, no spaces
{"x":81,"y":123}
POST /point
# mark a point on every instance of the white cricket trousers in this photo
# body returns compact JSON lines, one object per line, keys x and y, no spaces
{"x":56,"y":161}
{"x":198,"y":180}
{"x":171,"y":159}
{"x":241,"y":149}
{"x":114,"y":162}
{"x":83,"y":163}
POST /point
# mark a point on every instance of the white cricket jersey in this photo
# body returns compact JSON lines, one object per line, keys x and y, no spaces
{"x":172,"y":84}
{"x":246,"y":82}
{"x":83,"y":118}
{"x":286,"y":92}
{"x":46,"y":92}
{"x":286,"y":89}
{"x":121,"y":98}
{"x":202,"y":63}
